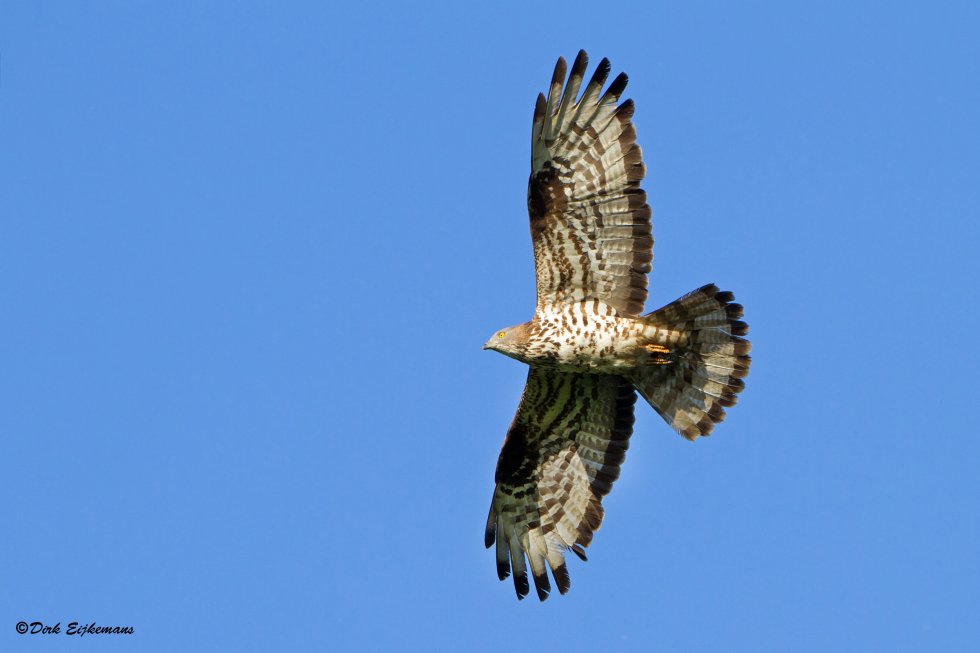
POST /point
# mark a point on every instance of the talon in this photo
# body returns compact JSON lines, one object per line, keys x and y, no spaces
{"x":659,"y":354}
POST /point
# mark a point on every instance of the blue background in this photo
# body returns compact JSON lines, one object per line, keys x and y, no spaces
{"x":249,"y":255}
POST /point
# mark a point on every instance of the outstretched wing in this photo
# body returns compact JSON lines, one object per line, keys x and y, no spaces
{"x":590,"y":223}
{"x":561,"y":456}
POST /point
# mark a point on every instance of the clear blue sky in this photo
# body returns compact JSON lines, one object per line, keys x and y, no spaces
{"x":249,"y":255}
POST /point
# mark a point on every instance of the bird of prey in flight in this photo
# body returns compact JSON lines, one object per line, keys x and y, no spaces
{"x":589,"y":347}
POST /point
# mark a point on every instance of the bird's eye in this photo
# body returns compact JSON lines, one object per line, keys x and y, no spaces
{"x":501,"y":334}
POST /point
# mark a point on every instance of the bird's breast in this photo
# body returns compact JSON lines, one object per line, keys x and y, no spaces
{"x":582,"y":337}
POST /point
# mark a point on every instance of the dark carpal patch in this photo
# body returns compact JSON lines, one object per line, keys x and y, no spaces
{"x":513,"y":465}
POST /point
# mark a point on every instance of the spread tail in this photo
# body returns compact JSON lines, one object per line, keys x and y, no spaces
{"x":698,"y":359}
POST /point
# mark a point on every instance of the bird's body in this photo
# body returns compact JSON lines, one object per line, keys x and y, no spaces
{"x":580,"y":337}
{"x":590,"y":337}
{"x":588,"y":347}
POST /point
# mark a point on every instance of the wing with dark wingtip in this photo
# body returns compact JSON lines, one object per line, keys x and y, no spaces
{"x":590,"y":223}
{"x":561,"y":456}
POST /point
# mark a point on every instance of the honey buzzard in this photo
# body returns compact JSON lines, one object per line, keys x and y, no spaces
{"x":588,"y":347}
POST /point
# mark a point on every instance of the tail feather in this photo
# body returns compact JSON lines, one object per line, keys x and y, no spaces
{"x":707,"y":359}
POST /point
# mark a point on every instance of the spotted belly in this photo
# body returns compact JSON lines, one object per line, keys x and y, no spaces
{"x":578,"y":339}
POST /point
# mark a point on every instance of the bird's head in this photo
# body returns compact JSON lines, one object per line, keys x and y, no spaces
{"x":509,"y":341}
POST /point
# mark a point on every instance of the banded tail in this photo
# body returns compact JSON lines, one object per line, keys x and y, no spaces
{"x":698,"y":360}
